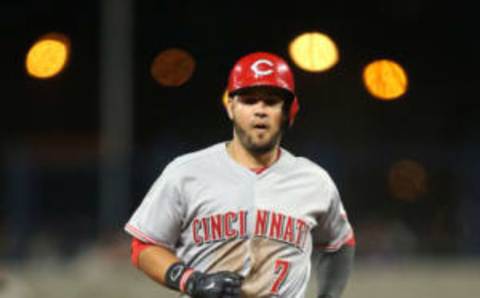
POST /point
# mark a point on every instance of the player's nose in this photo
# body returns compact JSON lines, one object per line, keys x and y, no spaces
{"x":260,"y":109}
{"x":260,"y":113}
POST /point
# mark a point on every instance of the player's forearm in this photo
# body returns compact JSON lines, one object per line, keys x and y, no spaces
{"x":155,"y":261}
{"x":333,"y":271}
{"x":164,"y":267}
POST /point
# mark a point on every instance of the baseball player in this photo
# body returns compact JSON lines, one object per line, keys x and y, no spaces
{"x":245,"y":217}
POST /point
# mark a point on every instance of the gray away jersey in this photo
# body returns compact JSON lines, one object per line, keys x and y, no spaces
{"x":218,"y":215}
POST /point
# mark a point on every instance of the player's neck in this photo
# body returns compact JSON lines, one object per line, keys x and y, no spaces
{"x":251,"y":160}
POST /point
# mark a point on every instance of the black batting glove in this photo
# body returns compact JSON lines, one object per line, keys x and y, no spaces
{"x":222,"y":284}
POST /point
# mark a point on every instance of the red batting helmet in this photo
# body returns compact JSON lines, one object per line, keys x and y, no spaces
{"x":264,"y":69}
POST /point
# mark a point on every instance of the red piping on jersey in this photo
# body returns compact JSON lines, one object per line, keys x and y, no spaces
{"x":261,"y":169}
{"x":139,"y":234}
{"x":136,"y":248}
{"x":349,"y":240}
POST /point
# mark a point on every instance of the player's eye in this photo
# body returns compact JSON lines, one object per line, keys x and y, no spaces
{"x":249,"y":99}
{"x":272,"y":100}
{"x":269,"y":100}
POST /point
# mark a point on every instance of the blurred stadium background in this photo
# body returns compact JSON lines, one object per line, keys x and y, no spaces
{"x":89,"y":120}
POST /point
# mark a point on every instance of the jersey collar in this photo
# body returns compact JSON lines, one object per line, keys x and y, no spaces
{"x":260,"y":170}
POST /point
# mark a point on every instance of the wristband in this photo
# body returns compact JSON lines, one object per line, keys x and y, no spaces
{"x":178,"y":276}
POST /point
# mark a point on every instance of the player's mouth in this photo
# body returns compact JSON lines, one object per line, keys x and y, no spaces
{"x":260,"y":127}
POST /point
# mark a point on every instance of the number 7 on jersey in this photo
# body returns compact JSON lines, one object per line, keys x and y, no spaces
{"x":281,"y":270}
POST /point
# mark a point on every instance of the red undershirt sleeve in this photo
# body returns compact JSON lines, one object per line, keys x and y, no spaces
{"x":137,"y":246}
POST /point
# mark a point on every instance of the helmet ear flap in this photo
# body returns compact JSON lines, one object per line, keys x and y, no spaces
{"x":290,"y":111}
{"x":293,"y":111}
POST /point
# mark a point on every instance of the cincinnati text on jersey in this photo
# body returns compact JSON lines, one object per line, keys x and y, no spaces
{"x":233,"y":225}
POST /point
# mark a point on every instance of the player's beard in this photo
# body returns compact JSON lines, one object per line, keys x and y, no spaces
{"x":256,"y":148}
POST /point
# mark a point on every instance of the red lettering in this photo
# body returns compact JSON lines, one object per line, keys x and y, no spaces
{"x":230,"y":217}
{"x":243,"y":223}
{"x":300,"y":231}
{"x":216,"y":225}
{"x":206,"y":232}
{"x":261,"y":223}
{"x":276,"y":225}
{"x":196,"y":226}
{"x":288,"y":234}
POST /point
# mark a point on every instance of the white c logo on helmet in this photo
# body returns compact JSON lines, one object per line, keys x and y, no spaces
{"x":266,"y":70}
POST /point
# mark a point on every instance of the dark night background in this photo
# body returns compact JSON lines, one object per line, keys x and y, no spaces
{"x":50,"y":129}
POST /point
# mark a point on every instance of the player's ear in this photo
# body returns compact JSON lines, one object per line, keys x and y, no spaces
{"x":229,"y":106}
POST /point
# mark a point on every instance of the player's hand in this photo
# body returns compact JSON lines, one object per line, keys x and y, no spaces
{"x":222,"y":284}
